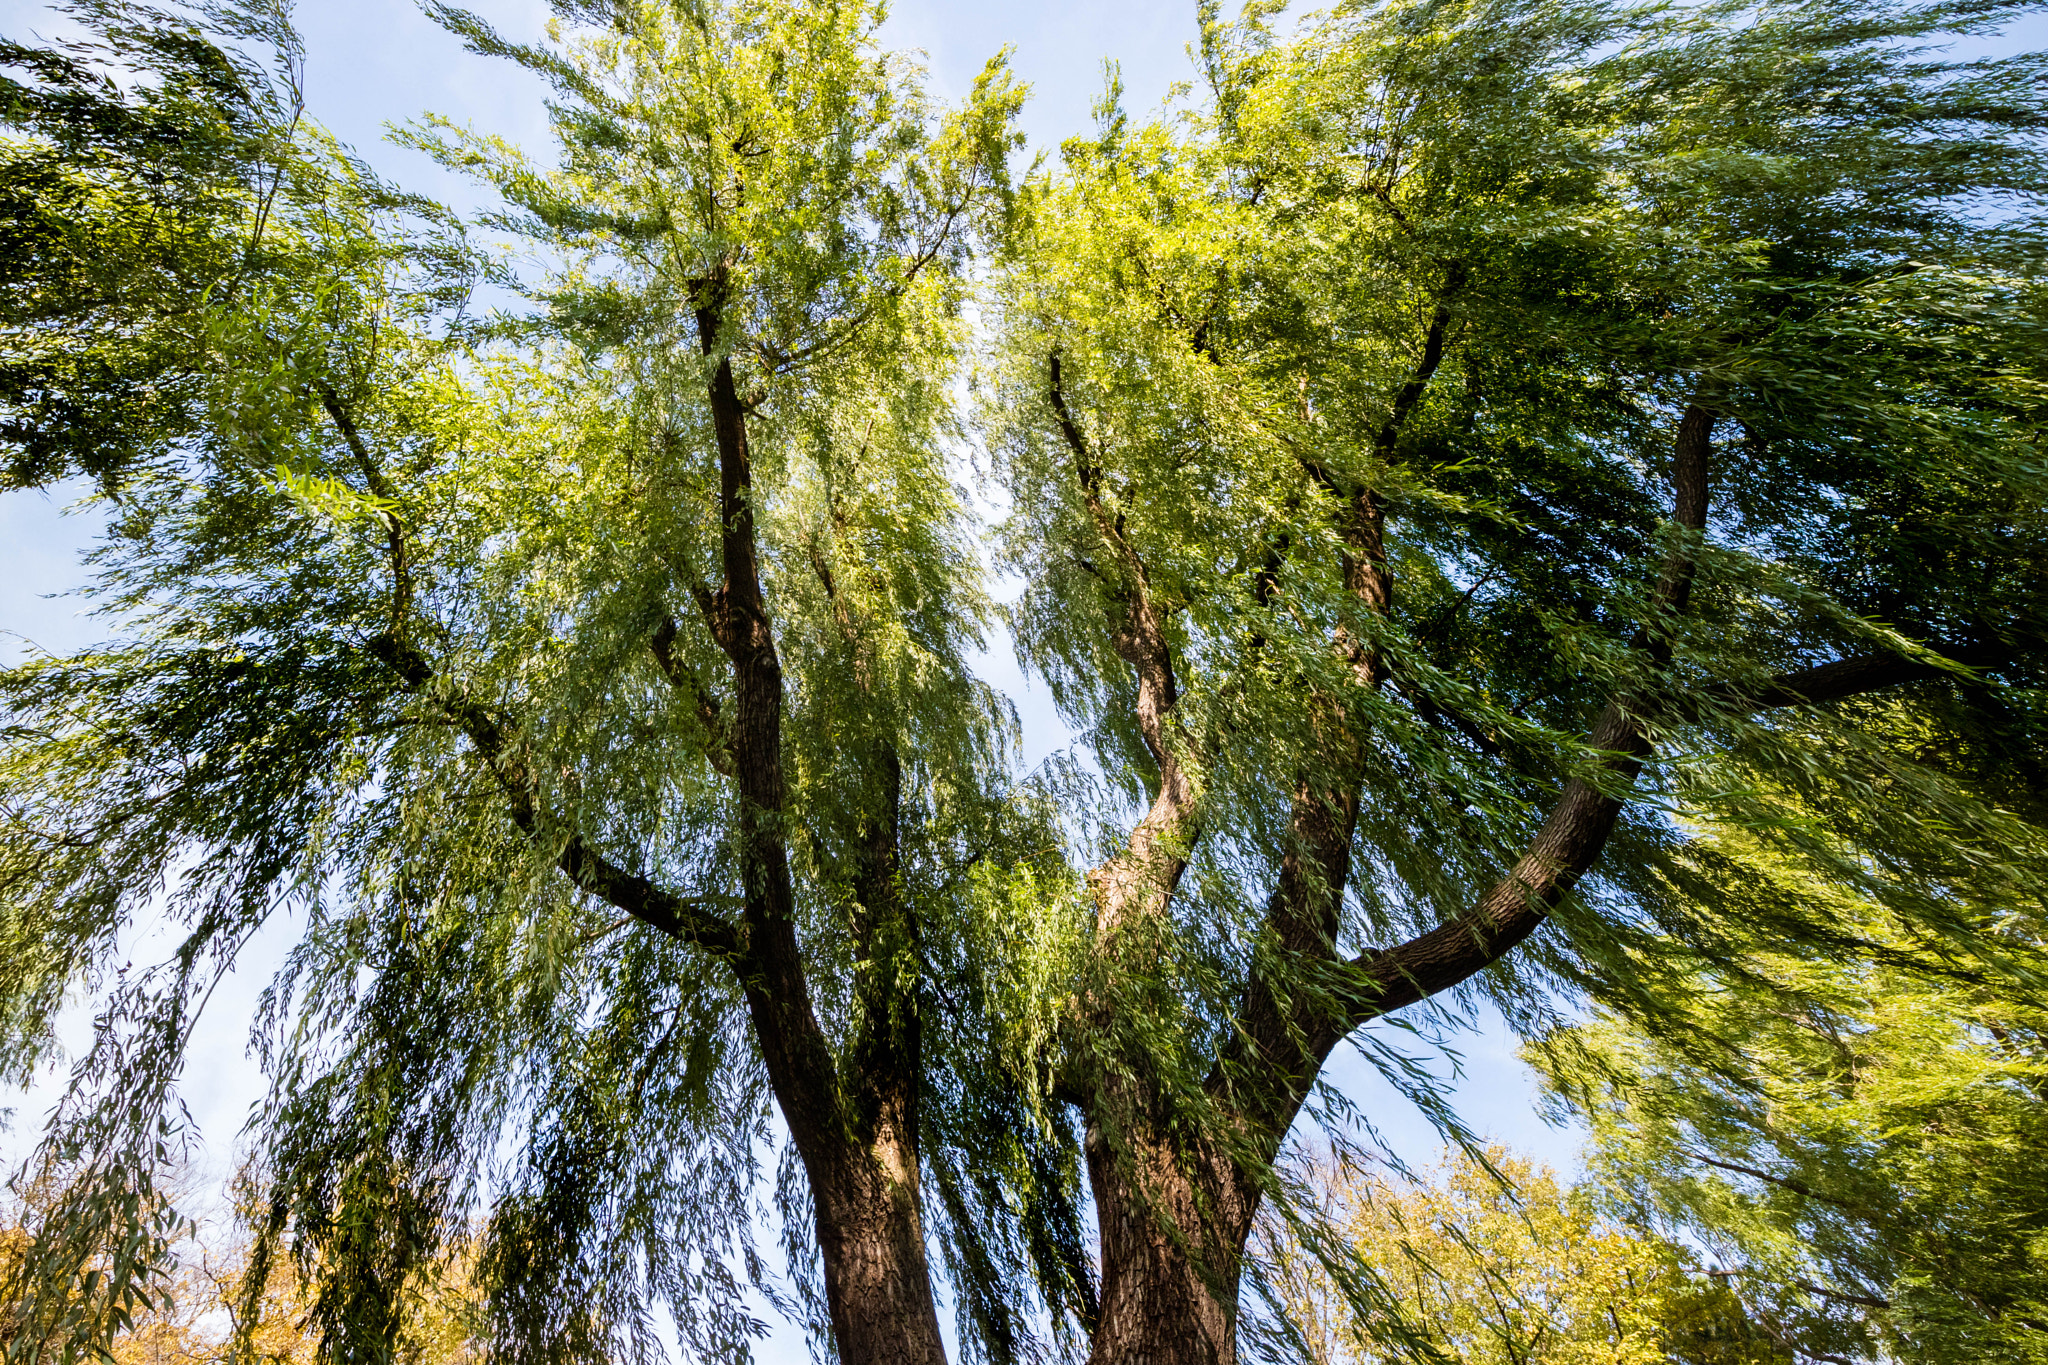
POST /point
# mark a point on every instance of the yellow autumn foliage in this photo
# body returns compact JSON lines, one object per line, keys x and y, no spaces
{"x":196,"y":1322}
{"x":1513,"y":1271}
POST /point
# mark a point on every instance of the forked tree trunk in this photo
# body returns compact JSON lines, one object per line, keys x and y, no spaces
{"x":860,"y":1158}
{"x":1175,"y":1220}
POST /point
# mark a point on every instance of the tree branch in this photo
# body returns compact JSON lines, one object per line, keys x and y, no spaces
{"x":1575,"y":832}
{"x":1859,"y":674}
{"x":1089,"y":472}
{"x":1425,"y":369}
{"x":718,"y":748}
{"x":801,"y":1068}
{"x":1140,"y":638}
{"x":374,"y":480}
{"x":1799,"y":1188}
{"x":1277,"y":1050}
{"x":1141,"y":880}
{"x":688,"y":919}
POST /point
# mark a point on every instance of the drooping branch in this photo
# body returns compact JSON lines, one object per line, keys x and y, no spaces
{"x":690,"y":919}
{"x":1784,"y":1182}
{"x":379,"y":487}
{"x":1859,"y":674}
{"x":718,"y":746}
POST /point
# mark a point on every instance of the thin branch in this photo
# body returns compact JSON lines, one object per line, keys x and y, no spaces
{"x":1860,"y":1300}
{"x":684,"y":679}
{"x":1425,"y":370}
{"x":379,"y":486}
{"x":1799,"y":1188}
{"x":1089,"y":472}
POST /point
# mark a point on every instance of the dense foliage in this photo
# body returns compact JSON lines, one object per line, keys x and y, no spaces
{"x":1478,"y":445}
{"x":190,"y":1318}
{"x":1861,"y":1143}
{"x":1495,"y":482}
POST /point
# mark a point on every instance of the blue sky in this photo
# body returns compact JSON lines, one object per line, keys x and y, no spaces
{"x":372,"y":63}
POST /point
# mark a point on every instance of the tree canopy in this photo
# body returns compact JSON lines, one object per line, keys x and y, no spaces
{"x":1858,"y":1142}
{"x":1499,"y":486}
{"x":1496,"y":1262}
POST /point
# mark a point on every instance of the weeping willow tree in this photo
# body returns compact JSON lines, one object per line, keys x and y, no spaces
{"x":1476,"y":445}
{"x":584,"y":687}
{"x":1480,"y":445}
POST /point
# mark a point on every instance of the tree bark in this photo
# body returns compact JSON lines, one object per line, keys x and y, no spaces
{"x":856,"y":1133}
{"x":1172,"y":1224}
{"x":1177,"y":1209}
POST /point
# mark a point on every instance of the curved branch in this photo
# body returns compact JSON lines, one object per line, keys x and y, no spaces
{"x":718,"y":748}
{"x":1140,"y":638}
{"x":1861,"y":673}
{"x":1569,"y":840}
{"x":1576,"y":831}
{"x":687,"y":918}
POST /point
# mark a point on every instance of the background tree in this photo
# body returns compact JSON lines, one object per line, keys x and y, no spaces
{"x":1859,"y":1141}
{"x":1490,"y":434}
{"x":1495,"y":1263}
{"x":193,"y":1315}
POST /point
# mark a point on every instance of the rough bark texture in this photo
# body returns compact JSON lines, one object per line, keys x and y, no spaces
{"x":1168,"y":1220}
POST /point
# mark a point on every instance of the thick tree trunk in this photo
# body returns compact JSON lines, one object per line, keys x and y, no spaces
{"x":1172,"y":1240}
{"x":1174,"y":1222}
{"x":854,"y":1126}
{"x":871,"y":1233}
{"x":863,"y":1172}
{"x":869,"y":1200}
